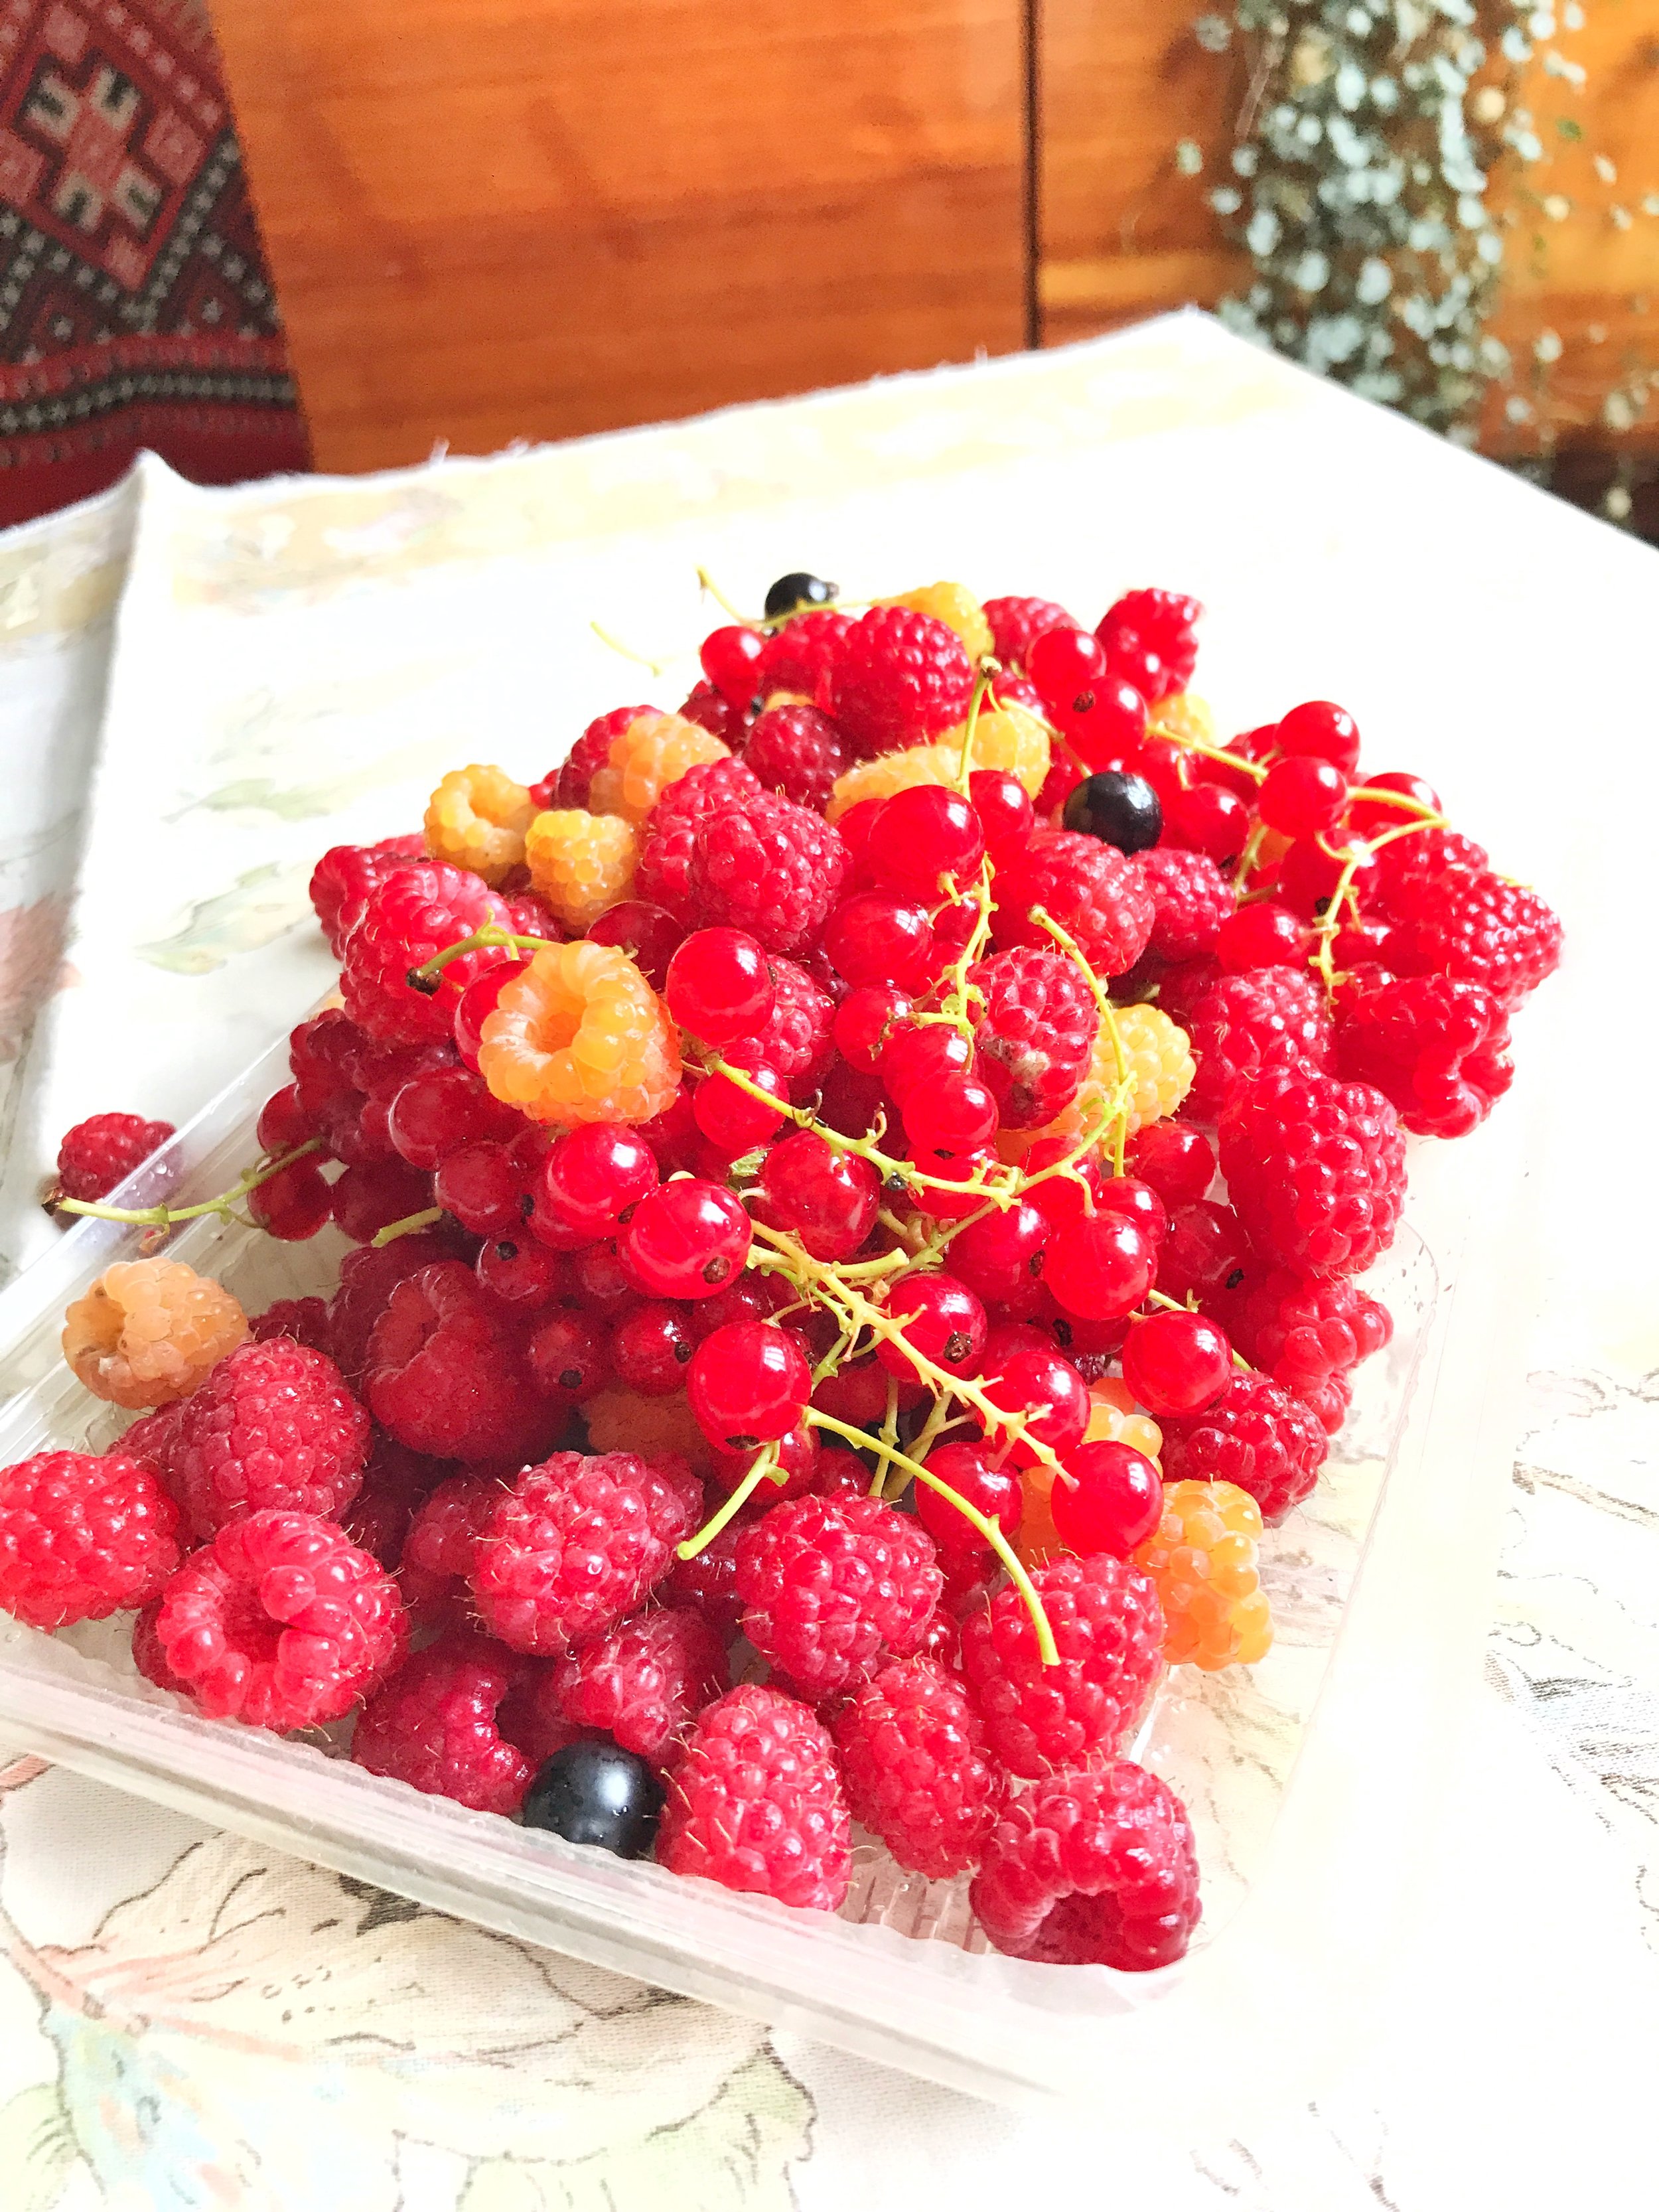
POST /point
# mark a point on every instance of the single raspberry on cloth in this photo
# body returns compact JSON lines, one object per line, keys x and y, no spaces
{"x":97,"y":1153}
{"x":1093,"y":1869}
{"x":281,"y":1622}
{"x":898,"y":679}
{"x":1256,"y":1437}
{"x":342,"y":879}
{"x":415,"y":914}
{"x":915,"y":1766}
{"x":756,"y":1802}
{"x":642,"y":1683}
{"x":830,"y":1586}
{"x":1090,"y":889}
{"x":1436,"y":1050}
{"x":1151,"y":637}
{"x":446,"y":1378}
{"x":83,"y":1537}
{"x":273,"y":1425}
{"x":1109,"y":1634}
{"x":1036,"y":1032}
{"x":433,"y":1725}
{"x":1192,"y":898}
{"x":1480,"y":929}
{"x":571,"y":785}
{"x":800,"y":656}
{"x":774,"y":869}
{"x":1316,"y":1170}
{"x":796,"y":751}
{"x":702,"y":794}
{"x":1016,"y":623}
{"x":576,"y":1543}
{"x":1253,"y":1023}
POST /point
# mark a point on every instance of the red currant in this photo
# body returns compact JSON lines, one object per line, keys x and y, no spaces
{"x":1303,"y":796}
{"x":1206,"y":1250}
{"x":1177,"y":1362}
{"x":1102,"y":1268}
{"x":942,"y":1321}
{"x":1176,"y":1160}
{"x":839,"y":1472}
{"x":436,"y":1113}
{"x":650,"y":1348}
{"x":1000,"y":1257}
{"x":1267,"y":935}
{"x":687,"y":1239}
{"x":522,"y":1272}
{"x":1126,"y":1195}
{"x":477,"y":1002}
{"x":673,"y":1134}
{"x":958,"y":1114}
{"x":731,"y":661}
{"x":854,"y":829}
{"x":1107,"y":1498}
{"x":1209,"y":819}
{"x":1308,"y":876}
{"x":1062,"y":663}
{"x":600,"y":1281}
{"x":567,"y":1353}
{"x":753,"y":1297}
{"x":649,"y":936}
{"x":856,"y":1394}
{"x":921,"y":1053}
{"x":1063,"y":1198}
{"x":731,"y":1118}
{"x":863,"y":1021}
{"x":1006,"y":816}
{"x":996,"y":1491}
{"x":1105,"y":727}
{"x":799,"y":1456}
{"x":284,"y":1121}
{"x":851,"y":1102}
{"x":369,"y":1198}
{"x":588,"y":1181}
{"x":925,"y":835}
{"x":1037,"y":1381}
{"x":1369,"y":817}
{"x":1318,"y":730}
{"x":749,"y":1384}
{"x":481,"y":1186}
{"x":944,"y":1204}
{"x":293,"y":1203}
{"x":827,"y":1199}
{"x":720,"y":986}
{"x":878,"y":937}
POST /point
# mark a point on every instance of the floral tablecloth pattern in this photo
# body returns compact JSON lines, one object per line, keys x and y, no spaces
{"x":199,"y":690}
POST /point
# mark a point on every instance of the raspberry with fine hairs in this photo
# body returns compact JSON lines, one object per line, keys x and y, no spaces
{"x":446,"y":1378}
{"x":774,"y":870}
{"x":281,"y":1622}
{"x":571,"y":785}
{"x":435,"y":1566}
{"x":368,"y":1276}
{"x":899,"y":678}
{"x":1109,"y":1631}
{"x":83,"y":1537}
{"x":407,"y":920}
{"x":798,"y":1037}
{"x":831,"y":1586}
{"x":1036,"y":1032}
{"x":756,"y":1802}
{"x":1257,"y":1437}
{"x":800,"y":656}
{"x":433,"y":1725}
{"x":273,"y":1425}
{"x":305,"y":1320}
{"x":1436,"y":1050}
{"x":1480,"y":929}
{"x":1303,"y":1330}
{"x":1316,"y":1170}
{"x":913,"y":1763}
{"x":709,"y":1582}
{"x":1254,"y":1023}
{"x":643,"y":1683}
{"x":576,"y":1543}
{"x":1192,"y":899}
{"x":1094,"y":1868}
{"x":1161,"y":622}
{"x":342,"y":880}
{"x":97,"y":1153}
{"x":1411,"y":870}
{"x":714,"y":787}
{"x":796,"y":751}
{"x":1090,"y":889}
{"x":1016,"y":623}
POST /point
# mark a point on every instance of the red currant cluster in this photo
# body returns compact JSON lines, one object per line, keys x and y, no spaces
{"x":875,"y":1165}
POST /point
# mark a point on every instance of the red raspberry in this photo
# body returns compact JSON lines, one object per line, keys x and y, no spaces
{"x":756,"y":1802}
{"x":798,"y":1037}
{"x":1036,"y":1032}
{"x":577,"y":1542}
{"x":898,"y":679}
{"x":702,"y":795}
{"x":103,"y":1151}
{"x":1254,"y":1023}
{"x":281,"y":1622}
{"x":1092,"y":1869}
{"x":1108,"y":1629}
{"x":800,"y":656}
{"x":434,"y":1567}
{"x":413,"y":915}
{"x":1090,"y":888}
{"x":1192,"y":898}
{"x":796,"y":751}
{"x":83,"y":1537}
{"x":1257,"y":1437}
{"x":1316,"y":1170}
{"x":433,"y":1725}
{"x":709,"y":1581}
{"x":272,"y":1425}
{"x":1480,"y":929}
{"x":1303,"y":1330}
{"x":395,"y":1482}
{"x":1159,"y":623}
{"x":912,"y":1760}
{"x":1437,"y":1049}
{"x":831,"y":1586}
{"x":774,"y":870}
{"x":1016,"y":625}
{"x":569,"y":784}
{"x":643,"y":1684}
{"x":368,"y":1276}
{"x":148,"y":1656}
{"x":305,"y":1320}
{"x":1410,"y":870}
{"x":446,"y":1378}
{"x":342,"y":879}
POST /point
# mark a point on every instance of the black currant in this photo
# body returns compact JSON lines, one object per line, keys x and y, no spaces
{"x":792,"y":592}
{"x":595,"y":1792}
{"x":1118,"y":808}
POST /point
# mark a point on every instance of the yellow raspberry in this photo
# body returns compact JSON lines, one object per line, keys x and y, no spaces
{"x":1157,"y":1052}
{"x":1114,"y":1418}
{"x":618,"y":1421}
{"x":476,"y":818}
{"x":581,"y":1036}
{"x":1007,"y":737}
{"x":1202,"y":1556}
{"x":654,"y":751}
{"x":149,"y":1331}
{"x":581,"y":863}
{"x":955,"y":606}
{"x":1184,"y":714}
{"x":1037,"y":1540}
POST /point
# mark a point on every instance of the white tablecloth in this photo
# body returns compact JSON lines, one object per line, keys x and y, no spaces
{"x":198,"y":690}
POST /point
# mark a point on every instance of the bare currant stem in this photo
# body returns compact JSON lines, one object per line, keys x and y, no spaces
{"x":161,"y":1217}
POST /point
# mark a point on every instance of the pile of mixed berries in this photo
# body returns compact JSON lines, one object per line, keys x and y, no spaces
{"x":856,"y":1190}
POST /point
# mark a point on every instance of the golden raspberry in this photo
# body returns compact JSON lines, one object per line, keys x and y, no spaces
{"x":581,"y":863}
{"x":581,"y":1036}
{"x":955,"y":606}
{"x":618,"y":1421}
{"x":149,"y":1331}
{"x":1202,"y":1556}
{"x":476,"y":818}
{"x":654,"y":751}
{"x":1114,"y":1418}
{"x":1184,"y":714}
{"x":1006,"y":737}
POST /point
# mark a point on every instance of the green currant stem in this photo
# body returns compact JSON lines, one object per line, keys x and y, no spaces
{"x":1403,"y":800}
{"x":987,"y":1529}
{"x":406,"y":1227}
{"x":970,"y":727}
{"x":1254,"y":769}
{"x":1108,"y":1013}
{"x":706,"y":583}
{"x":490,"y":937}
{"x":1331,"y":922}
{"x":766,"y":1464}
{"x":1189,"y":1304}
{"x":641,"y":659}
{"x":158,"y":1217}
{"x":1247,"y":859}
{"x":1068,"y":1166}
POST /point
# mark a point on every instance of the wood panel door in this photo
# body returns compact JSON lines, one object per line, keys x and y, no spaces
{"x":499,"y":219}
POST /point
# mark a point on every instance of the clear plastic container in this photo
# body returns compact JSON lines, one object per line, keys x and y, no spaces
{"x":1310,"y":1778}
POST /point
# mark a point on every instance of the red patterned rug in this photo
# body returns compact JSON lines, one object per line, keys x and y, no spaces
{"x":135,"y":306}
